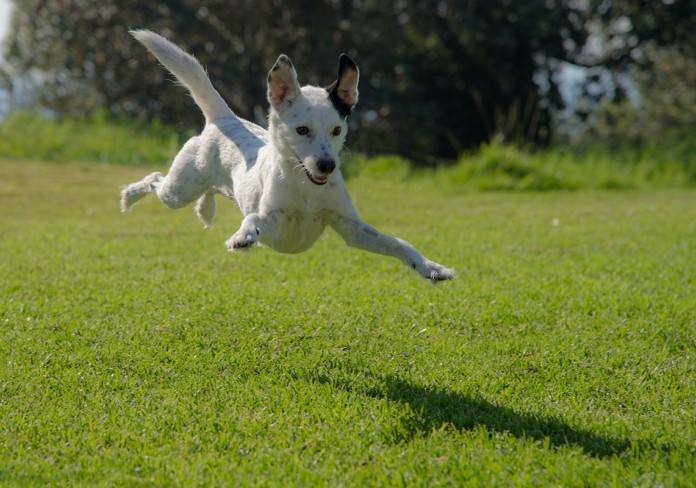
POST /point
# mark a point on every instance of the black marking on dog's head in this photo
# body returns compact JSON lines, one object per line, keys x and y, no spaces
{"x":343,"y":92}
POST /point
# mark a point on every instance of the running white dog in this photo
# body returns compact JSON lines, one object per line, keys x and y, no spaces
{"x":286,"y":180}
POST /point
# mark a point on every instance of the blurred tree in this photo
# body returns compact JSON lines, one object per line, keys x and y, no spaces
{"x":468,"y":70}
{"x":437,"y":77}
{"x":649,"y":48}
{"x":666,"y":109}
{"x":622,"y":28}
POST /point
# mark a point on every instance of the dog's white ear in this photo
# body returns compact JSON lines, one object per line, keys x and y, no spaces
{"x":283,"y":87}
{"x":343,"y":92}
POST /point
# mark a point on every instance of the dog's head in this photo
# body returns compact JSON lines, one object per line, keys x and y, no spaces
{"x":308,"y":124}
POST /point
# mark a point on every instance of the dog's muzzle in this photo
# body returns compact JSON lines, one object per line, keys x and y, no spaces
{"x":326,"y":166}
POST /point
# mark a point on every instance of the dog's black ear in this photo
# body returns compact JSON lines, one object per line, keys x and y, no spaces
{"x":283,"y":87}
{"x":343,"y":92}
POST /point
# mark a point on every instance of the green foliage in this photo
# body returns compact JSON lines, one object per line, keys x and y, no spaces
{"x":665,"y":111}
{"x":435,"y":79}
{"x":499,"y":167}
{"x":496,"y":166}
{"x":96,"y":138}
{"x":629,"y":28}
{"x":386,"y":166}
{"x":454,"y":68}
{"x":136,"y":351}
{"x":507,"y":167}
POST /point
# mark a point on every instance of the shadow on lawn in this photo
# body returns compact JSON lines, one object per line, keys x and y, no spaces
{"x":432,"y":408}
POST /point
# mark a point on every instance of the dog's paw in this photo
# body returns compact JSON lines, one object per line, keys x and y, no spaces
{"x":436,"y":272}
{"x":240,"y":241}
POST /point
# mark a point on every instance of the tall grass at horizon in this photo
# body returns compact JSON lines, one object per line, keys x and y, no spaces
{"x":495,"y":166}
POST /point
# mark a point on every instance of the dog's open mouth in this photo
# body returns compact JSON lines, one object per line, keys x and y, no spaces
{"x":316,"y":179}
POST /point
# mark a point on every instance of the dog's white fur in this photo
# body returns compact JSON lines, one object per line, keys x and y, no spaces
{"x":286,"y":180}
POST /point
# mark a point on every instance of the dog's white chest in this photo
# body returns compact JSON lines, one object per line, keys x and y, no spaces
{"x":297,"y":231}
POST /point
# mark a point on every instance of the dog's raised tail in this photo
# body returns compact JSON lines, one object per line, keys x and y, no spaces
{"x":188,"y":71}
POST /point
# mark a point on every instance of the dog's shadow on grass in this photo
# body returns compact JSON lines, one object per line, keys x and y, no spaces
{"x":432,"y":408}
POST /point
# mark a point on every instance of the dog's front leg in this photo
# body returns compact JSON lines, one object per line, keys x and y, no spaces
{"x":358,"y":234}
{"x":248,"y":234}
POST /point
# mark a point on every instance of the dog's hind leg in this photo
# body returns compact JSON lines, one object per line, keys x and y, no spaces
{"x":186,"y":181}
{"x":205,"y":208}
{"x":131,"y":194}
{"x":188,"y":177}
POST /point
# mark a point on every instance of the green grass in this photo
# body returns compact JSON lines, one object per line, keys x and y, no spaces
{"x":499,"y":167}
{"x":135,"y":351}
{"x":24,"y":135}
{"x":494,"y":167}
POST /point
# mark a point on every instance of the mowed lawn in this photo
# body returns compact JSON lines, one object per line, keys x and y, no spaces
{"x":135,"y":351}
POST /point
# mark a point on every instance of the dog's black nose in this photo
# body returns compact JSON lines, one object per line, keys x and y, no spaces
{"x":326,"y":166}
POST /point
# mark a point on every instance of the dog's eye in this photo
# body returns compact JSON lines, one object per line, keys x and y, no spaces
{"x":302,"y":130}
{"x":337,"y":130}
